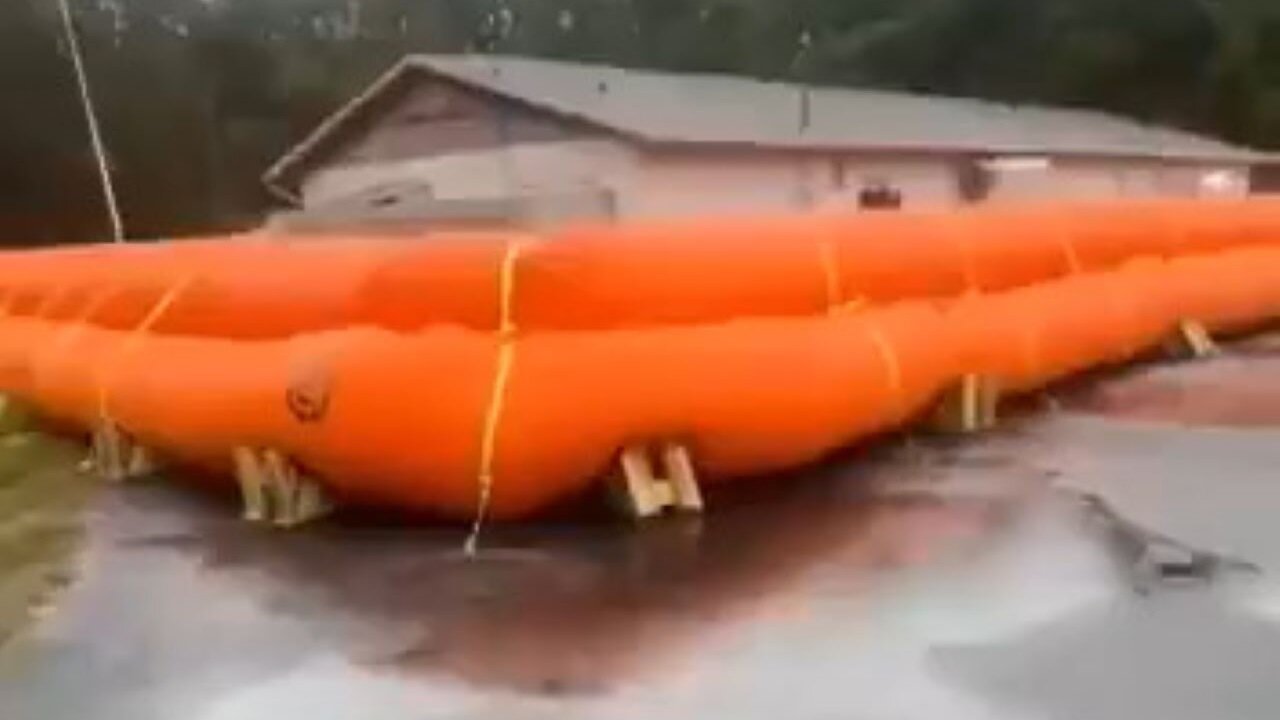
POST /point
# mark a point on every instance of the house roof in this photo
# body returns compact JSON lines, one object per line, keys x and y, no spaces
{"x":706,"y":109}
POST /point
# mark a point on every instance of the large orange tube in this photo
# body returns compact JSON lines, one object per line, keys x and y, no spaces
{"x":402,"y":414}
{"x":617,"y":276}
{"x":398,"y":417}
{"x":391,"y":404}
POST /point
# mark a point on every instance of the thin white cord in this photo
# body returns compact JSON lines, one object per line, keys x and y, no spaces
{"x":91,"y":118}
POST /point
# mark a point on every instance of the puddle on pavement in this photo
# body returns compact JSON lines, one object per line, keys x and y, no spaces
{"x":570,"y":609}
{"x":1175,"y":655}
{"x":1239,"y":389}
{"x":791,"y":599}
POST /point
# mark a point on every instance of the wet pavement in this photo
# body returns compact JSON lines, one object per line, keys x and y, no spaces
{"x":912,"y":580}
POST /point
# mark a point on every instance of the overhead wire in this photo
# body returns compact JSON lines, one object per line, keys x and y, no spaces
{"x":72,"y":39}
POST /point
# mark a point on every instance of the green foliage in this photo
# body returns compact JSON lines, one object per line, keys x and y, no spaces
{"x":197,"y":96}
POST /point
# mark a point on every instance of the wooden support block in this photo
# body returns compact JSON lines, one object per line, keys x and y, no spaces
{"x":682,"y":478}
{"x":645,"y":491}
{"x":253,"y":482}
{"x":116,"y":456}
{"x":1191,"y":340}
{"x":275,"y":491}
{"x":105,"y":451}
{"x":297,"y":498}
{"x":282,"y":487}
{"x":969,"y":406}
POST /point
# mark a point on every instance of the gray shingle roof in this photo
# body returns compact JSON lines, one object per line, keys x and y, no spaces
{"x":723,"y":109}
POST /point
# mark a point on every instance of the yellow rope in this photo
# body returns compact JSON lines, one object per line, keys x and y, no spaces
{"x":498,"y":394}
{"x":136,"y":336}
{"x":892,"y":366}
{"x":1069,"y":251}
{"x":74,"y":328}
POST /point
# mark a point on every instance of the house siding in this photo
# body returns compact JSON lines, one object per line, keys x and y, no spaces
{"x":1100,"y":178}
{"x":510,"y":171}
{"x":672,"y":183}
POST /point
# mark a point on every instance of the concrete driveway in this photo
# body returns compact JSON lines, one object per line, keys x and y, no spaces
{"x":935,"y":579}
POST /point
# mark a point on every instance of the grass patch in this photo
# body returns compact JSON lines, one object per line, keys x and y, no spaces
{"x":42,"y":498}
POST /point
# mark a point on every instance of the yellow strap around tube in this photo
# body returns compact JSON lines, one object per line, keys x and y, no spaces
{"x":498,"y":394}
{"x":82,"y":320}
{"x":1069,"y":251}
{"x":892,"y":366}
{"x":135,"y":338}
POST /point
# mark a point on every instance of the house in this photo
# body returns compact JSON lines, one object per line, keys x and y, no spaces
{"x":478,"y":138}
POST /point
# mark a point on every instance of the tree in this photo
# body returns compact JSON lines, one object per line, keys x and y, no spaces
{"x":198,"y":96}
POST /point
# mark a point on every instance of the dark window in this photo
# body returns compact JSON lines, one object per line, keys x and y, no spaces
{"x":879,"y":195}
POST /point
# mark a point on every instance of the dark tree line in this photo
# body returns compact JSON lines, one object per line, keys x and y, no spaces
{"x":198,"y":96}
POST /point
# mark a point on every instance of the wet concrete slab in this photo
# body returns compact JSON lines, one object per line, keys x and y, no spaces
{"x":1176,"y":655}
{"x":922,"y":580}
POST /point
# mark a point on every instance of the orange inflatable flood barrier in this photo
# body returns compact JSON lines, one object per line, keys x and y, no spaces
{"x":403,"y":414}
{"x":396,"y":381}
{"x":695,"y":271}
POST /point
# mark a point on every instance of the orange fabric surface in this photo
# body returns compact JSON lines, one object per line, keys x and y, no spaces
{"x":447,"y":279}
{"x":638,"y":274}
{"x":763,"y":345}
{"x":1033,"y":336}
{"x":1226,"y":291}
{"x":403,"y":412}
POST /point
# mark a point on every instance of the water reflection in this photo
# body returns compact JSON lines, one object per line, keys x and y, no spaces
{"x":573,"y":608}
{"x":1176,"y":655}
{"x":1241,"y":390}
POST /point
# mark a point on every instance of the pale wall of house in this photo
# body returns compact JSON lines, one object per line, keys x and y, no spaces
{"x":672,"y":184}
{"x":515,"y":170}
{"x":925,"y":182}
{"x":675,"y":184}
{"x":644,"y":183}
{"x":1108,"y":178}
